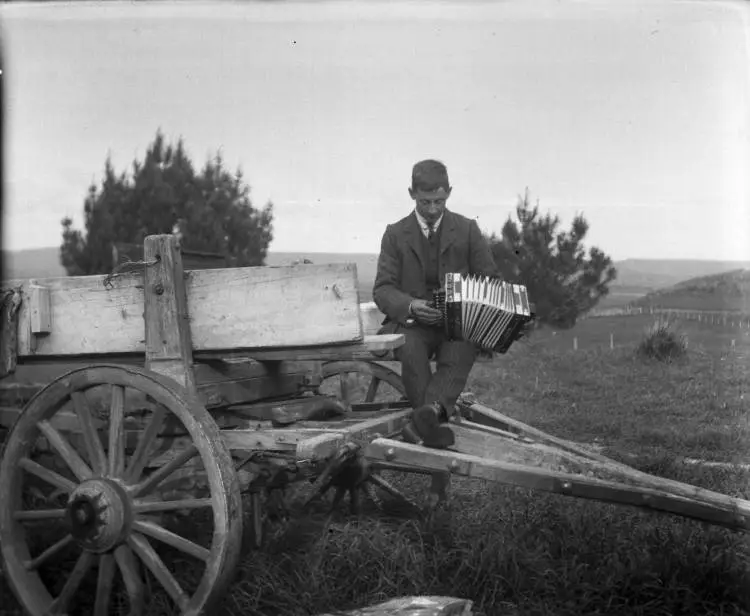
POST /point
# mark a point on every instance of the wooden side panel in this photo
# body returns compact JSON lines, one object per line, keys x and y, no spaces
{"x":266,"y":307}
{"x":229,"y":309}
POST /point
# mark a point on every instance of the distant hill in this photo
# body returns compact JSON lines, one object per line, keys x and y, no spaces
{"x":728,"y":291}
{"x":660,"y":273}
{"x":636,"y":277}
{"x":32,"y":263}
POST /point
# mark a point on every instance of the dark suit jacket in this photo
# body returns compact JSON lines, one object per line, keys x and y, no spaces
{"x":401,"y":275}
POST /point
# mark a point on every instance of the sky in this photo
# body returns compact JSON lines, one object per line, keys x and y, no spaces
{"x":634,"y":114}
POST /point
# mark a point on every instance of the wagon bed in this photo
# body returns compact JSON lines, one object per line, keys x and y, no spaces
{"x":194,"y":387}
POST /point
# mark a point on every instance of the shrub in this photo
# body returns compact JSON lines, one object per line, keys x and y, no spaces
{"x":662,"y":342}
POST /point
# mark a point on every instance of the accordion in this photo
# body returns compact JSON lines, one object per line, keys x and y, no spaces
{"x":486,"y":311}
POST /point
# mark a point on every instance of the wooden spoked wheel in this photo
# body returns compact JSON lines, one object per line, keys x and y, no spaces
{"x":362,"y":383}
{"x":91,"y":472}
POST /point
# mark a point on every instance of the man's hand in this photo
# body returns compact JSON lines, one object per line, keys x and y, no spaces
{"x":424,"y":313}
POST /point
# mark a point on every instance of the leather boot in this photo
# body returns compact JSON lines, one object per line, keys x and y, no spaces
{"x":426,"y":427}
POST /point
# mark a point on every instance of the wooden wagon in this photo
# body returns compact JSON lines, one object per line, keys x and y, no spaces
{"x":194,"y":387}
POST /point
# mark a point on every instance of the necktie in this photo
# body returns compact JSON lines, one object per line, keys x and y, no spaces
{"x":430,"y":231}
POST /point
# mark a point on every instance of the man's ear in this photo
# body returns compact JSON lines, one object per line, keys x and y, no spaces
{"x":412,"y":194}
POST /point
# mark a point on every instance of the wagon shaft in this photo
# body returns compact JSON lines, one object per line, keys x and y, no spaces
{"x":516,"y":454}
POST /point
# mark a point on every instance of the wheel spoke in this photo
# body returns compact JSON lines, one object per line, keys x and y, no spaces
{"x":148,"y":484}
{"x":94,"y":447}
{"x":69,"y":455}
{"x":133,"y":582}
{"x":31,"y":565}
{"x":382,"y":483}
{"x":139,"y":458}
{"x":372,"y":389}
{"x":104,"y":584}
{"x":257,"y":513}
{"x":165,"y":536}
{"x":45,"y":474}
{"x":83,"y":564}
{"x":117,"y":432}
{"x":155,"y":506}
{"x":39,"y":514}
{"x":151,"y":559}
{"x":344,"y":388}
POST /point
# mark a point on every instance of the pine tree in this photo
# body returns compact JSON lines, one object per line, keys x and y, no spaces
{"x":211,"y":210}
{"x":562,"y":280}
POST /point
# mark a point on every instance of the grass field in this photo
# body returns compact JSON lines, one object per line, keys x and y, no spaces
{"x":515,"y":551}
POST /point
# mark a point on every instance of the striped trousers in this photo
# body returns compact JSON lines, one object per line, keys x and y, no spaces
{"x":454,"y":359}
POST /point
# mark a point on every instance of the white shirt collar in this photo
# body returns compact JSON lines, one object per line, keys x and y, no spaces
{"x":423,"y":223}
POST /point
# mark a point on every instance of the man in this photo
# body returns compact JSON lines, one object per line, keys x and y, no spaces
{"x":415,"y":254}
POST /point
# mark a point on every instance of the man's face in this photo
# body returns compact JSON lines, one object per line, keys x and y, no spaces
{"x":430,"y":204}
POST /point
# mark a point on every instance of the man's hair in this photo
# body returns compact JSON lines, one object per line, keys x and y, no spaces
{"x":429,"y":175}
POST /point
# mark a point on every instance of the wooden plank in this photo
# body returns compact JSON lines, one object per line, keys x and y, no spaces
{"x":18,"y":394}
{"x":372,"y":318}
{"x":413,"y":606}
{"x":229,"y":309}
{"x":169,"y":349}
{"x":242,"y":383}
{"x":497,"y":447}
{"x":369,"y":348}
{"x":219,"y":383}
{"x":264,"y":307}
{"x":272,"y":439}
{"x":10,"y":303}
{"x":39,"y":305}
{"x":477,"y":412}
{"x":734,"y":514}
{"x":326,"y":445}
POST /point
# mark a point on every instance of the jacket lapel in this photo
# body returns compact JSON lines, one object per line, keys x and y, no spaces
{"x":413,"y":236}
{"x":448,"y":231}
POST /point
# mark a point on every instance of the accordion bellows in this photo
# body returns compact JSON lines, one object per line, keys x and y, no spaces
{"x":486,"y":311}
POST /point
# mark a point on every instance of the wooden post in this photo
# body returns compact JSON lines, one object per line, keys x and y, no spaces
{"x":611,"y":341}
{"x":10,"y":300}
{"x":169,"y":348}
{"x":575,"y":343}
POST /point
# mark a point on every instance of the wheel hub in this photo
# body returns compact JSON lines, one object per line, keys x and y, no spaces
{"x":99,"y":514}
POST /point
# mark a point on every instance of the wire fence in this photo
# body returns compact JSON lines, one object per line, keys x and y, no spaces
{"x":725,"y":318}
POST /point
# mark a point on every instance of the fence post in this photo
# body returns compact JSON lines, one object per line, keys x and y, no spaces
{"x":611,"y":341}
{"x":575,"y":343}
